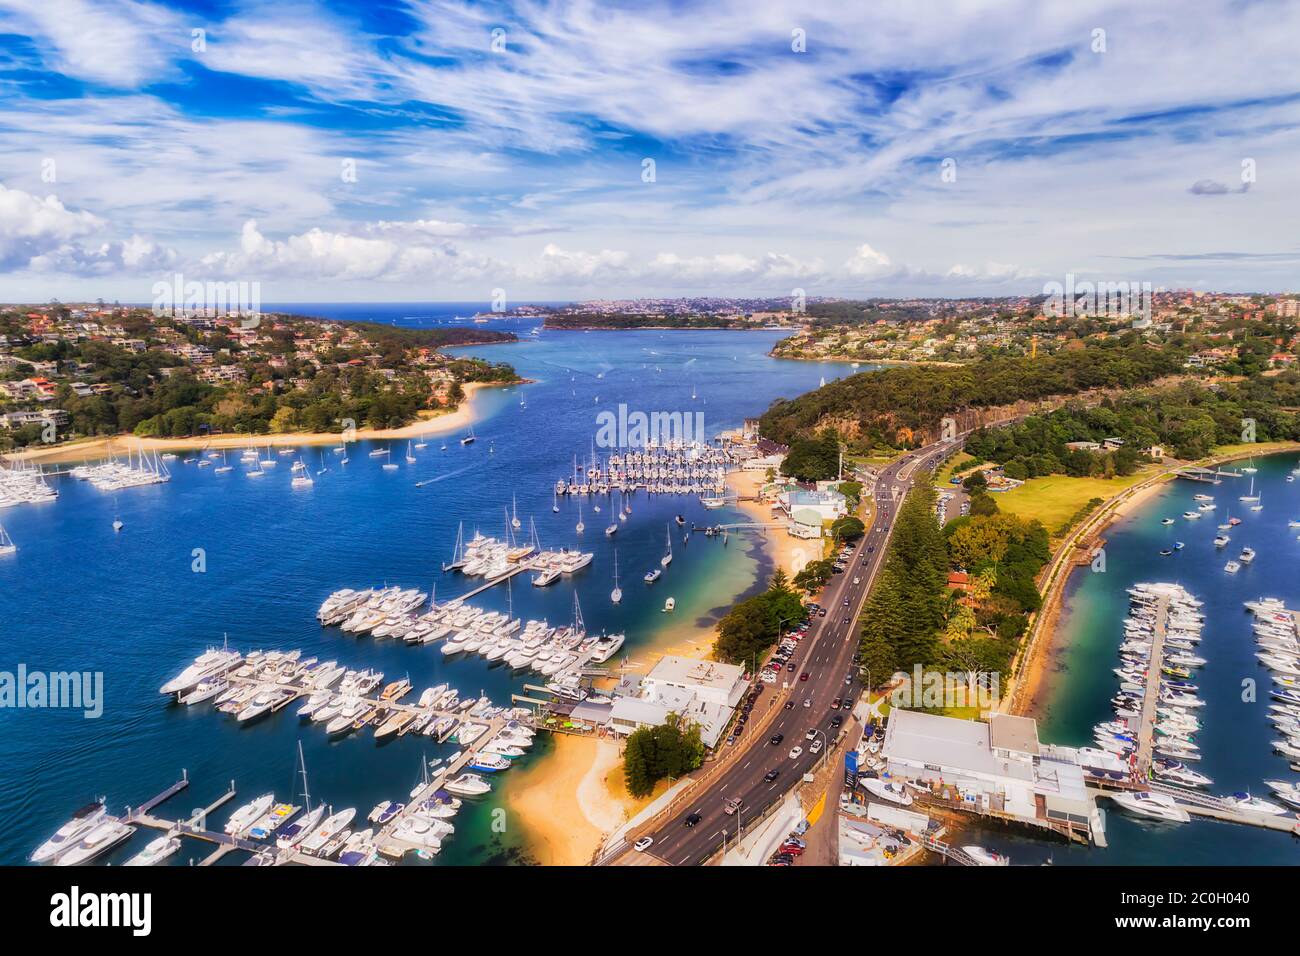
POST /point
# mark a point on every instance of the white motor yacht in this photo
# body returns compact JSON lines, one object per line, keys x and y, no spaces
{"x":1156,"y":806}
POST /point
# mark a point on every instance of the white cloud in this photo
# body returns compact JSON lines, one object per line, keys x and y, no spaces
{"x":117,"y":42}
{"x":31,"y":227}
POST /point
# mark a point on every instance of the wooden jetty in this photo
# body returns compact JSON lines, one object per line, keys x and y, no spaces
{"x":1147,"y":722}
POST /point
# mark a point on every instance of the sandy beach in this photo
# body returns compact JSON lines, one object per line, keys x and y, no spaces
{"x":430,"y":423}
{"x":787,"y":553}
{"x":572,"y":798}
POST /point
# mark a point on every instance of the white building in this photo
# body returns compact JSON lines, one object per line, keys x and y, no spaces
{"x":703,"y":692}
{"x":996,"y":768}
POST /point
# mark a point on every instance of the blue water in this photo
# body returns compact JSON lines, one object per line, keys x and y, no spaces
{"x":79,"y":597}
{"x":1236,"y":734}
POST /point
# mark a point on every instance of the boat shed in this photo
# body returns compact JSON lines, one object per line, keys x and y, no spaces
{"x":995,"y":768}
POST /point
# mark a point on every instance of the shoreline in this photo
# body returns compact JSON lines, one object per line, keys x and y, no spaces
{"x":882,"y":363}
{"x":574,"y":797}
{"x":464,"y":415}
{"x":1032,"y":686}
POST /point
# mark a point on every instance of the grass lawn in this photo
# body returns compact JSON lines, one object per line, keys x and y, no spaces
{"x":1055,"y":499}
{"x":1253,"y":448}
{"x":954,"y":464}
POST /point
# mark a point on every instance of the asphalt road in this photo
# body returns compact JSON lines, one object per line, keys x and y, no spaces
{"x":826,"y":654}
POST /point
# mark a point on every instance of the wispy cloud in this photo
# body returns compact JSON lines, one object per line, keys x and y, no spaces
{"x":904,"y":147}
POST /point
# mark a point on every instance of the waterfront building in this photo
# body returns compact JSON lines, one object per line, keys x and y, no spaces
{"x":994,"y":768}
{"x":703,"y":692}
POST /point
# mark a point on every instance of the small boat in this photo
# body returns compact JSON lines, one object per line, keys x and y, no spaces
{"x":248,"y":814}
{"x":890,"y":791}
{"x":1244,"y":801}
{"x":469,"y":439}
{"x":1232,"y":567}
{"x":7,"y":545}
{"x":983,"y":857}
{"x":155,"y":851}
{"x":670,"y":604}
{"x":1167,"y":521}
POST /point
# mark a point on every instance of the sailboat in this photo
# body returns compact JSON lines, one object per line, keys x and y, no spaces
{"x":667,"y":559}
{"x":555,"y":501}
{"x":581,"y":527}
{"x":468,"y":439}
{"x":410,"y":457}
{"x":1250,"y":469}
{"x":303,"y":478}
{"x":7,"y":545}
{"x":1252,"y":496}
{"x":389,"y":465}
{"x":225,"y":466}
{"x":514,"y":513}
{"x":616,"y":595}
{"x":297,"y":831}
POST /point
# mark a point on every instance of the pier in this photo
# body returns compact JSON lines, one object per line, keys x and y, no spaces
{"x":1204,"y":805}
{"x":1147,"y":722}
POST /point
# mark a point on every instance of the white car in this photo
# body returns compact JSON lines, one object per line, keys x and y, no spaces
{"x":816,"y":747}
{"x":643,"y":844}
{"x":795,"y":752}
{"x":811,"y":735}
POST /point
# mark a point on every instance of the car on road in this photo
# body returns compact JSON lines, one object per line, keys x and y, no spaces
{"x":812,"y":734}
{"x":643,"y":844}
{"x":794,"y":849}
{"x":771,"y":775}
{"x":803,"y":676}
{"x":816,"y":747}
{"x":693,"y":819}
{"x":732,"y":805}
{"x":789,"y":705}
{"x":848,"y":680}
{"x":807,"y":701}
{"x":836,"y":720}
{"x":835,"y":704}
{"x":776,"y":739}
{"x":846,"y":703}
{"x":857,"y":580}
{"x":846,"y":601}
{"x":795,"y":752}
{"x":822,"y":612}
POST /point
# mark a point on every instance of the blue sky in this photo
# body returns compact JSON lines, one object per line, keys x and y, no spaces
{"x":428,"y":150}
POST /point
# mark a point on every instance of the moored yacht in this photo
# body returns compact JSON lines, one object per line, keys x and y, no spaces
{"x":1156,"y":806}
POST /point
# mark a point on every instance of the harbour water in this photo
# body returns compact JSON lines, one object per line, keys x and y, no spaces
{"x":206,"y":555}
{"x":1235,"y":739}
